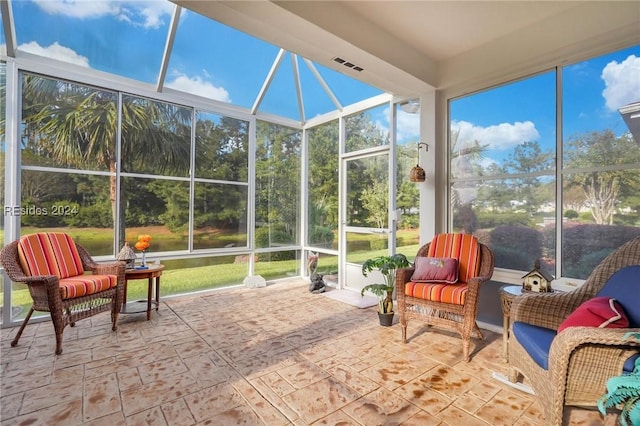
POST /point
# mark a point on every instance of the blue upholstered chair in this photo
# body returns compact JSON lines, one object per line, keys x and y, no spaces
{"x":571,"y":366}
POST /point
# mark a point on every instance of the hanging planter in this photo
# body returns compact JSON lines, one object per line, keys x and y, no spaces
{"x":417,"y":173}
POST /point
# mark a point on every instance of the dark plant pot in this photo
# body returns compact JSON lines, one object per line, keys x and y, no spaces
{"x":386,"y":319}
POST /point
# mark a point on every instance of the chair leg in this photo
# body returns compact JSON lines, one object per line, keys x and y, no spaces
{"x":114,"y":317}
{"x":71,"y":323}
{"x":14,"y":342}
{"x":465,"y":348}
{"x":480,"y":336}
{"x":403,"y":327}
{"x":58,"y":320}
{"x":514,"y":375}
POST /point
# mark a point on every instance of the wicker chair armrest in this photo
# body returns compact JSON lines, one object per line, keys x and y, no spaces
{"x":38,"y":280}
{"x":545,"y":309}
{"x":111,"y":268}
{"x":478,"y":280}
{"x":403,"y":276}
{"x":602,"y":348}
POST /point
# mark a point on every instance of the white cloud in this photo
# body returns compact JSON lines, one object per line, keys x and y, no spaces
{"x":198,"y":86}
{"x":56,"y":51}
{"x":407,"y":127}
{"x":148,"y":14}
{"x":500,"y":136}
{"x":622,"y":82}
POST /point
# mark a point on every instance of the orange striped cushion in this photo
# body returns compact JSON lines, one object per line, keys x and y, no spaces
{"x":446,"y":293}
{"x":86,"y":284}
{"x":36,"y":255}
{"x":463,"y":247}
{"x":67,"y":259}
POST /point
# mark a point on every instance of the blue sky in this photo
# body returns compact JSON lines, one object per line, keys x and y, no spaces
{"x":592,"y":92}
{"x":128,"y":38}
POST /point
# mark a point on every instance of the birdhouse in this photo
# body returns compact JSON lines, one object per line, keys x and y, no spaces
{"x":537,"y":280}
{"x":127,"y":255}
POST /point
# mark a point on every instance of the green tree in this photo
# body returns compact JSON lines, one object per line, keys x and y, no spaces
{"x":603,"y":189}
{"x":375,"y":200}
{"x":278,"y":160}
{"x":528,"y":158}
{"x":77,"y":126}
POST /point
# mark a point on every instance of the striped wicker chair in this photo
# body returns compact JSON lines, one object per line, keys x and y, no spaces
{"x":572,"y":367}
{"x":53,"y":266}
{"x":447,"y":305}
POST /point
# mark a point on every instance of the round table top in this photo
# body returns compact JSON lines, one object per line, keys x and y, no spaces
{"x":151,"y":268}
{"x":511,"y":290}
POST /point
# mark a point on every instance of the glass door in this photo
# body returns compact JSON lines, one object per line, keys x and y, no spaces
{"x":366,"y":230}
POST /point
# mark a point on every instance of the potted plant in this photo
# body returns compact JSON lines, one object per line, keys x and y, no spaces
{"x":624,"y":392}
{"x":387,"y":266}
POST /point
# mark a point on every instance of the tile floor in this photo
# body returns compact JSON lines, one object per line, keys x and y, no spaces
{"x":269,"y":356}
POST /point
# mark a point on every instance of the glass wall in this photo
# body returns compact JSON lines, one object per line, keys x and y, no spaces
{"x":69,"y":160}
{"x":87,"y":172}
{"x":408,"y":193}
{"x":322,"y":185}
{"x":221,"y":183}
{"x":277,"y":203}
{"x":506,"y":188}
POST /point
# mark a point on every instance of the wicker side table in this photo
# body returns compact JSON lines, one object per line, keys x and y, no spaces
{"x":507,"y":294}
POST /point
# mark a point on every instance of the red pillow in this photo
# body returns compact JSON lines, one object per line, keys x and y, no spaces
{"x":602,"y":312}
{"x":435,"y":270}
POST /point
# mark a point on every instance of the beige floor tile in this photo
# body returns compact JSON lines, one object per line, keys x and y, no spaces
{"x":207,"y":403}
{"x":422,"y":418}
{"x":177,"y":413}
{"x":354,"y":379}
{"x":320,"y":399}
{"x":101,"y":397}
{"x":381,"y":407}
{"x":147,"y":396}
{"x":337,"y":418}
{"x":302,"y":374}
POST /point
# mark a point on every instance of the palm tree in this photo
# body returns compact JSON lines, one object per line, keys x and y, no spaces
{"x":76,"y":126}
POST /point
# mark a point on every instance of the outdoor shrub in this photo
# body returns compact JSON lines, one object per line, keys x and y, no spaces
{"x":321,"y":236}
{"x":571,"y":214}
{"x":582,"y":240}
{"x":587,"y":264}
{"x":549,"y":241}
{"x":509,"y":258}
{"x":96,"y":215}
{"x":379,"y":244}
{"x":518,"y":241}
{"x":465,"y":219}
{"x":409,"y":221}
{"x":492,"y":219}
{"x":273,"y":236}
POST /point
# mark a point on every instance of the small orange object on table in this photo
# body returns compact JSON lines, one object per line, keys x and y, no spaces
{"x":152,"y":274}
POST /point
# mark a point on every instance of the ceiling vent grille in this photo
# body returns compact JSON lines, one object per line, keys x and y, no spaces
{"x":347,"y":64}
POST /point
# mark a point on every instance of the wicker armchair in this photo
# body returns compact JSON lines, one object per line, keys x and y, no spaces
{"x":52,"y":265}
{"x":580,"y":359}
{"x":449,"y":306}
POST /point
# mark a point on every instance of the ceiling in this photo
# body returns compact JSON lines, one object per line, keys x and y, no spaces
{"x":409,"y":47}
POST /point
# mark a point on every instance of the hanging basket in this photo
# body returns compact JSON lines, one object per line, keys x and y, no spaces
{"x":417,"y":174}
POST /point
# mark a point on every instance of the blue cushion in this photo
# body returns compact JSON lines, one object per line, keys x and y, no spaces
{"x":630,"y":364}
{"x":535,"y":340}
{"x":624,"y":286}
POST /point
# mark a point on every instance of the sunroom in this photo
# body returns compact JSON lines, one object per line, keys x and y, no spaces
{"x":245,"y":137}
